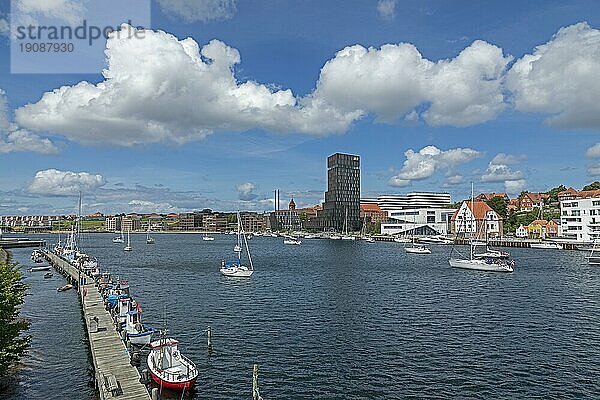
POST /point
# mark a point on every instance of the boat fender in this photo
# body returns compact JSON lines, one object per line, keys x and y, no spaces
{"x":145,"y":377}
{"x":135,"y":359}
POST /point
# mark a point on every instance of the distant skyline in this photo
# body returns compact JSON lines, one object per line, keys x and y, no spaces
{"x":223,"y":101}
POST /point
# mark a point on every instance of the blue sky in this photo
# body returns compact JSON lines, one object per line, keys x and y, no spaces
{"x":503,"y":114}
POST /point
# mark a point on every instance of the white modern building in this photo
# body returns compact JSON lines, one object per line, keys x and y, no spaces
{"x":580,"y":215}
{"x":418,"y":213}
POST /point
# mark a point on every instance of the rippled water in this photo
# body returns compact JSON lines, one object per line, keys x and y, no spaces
{"x":343,"y":320}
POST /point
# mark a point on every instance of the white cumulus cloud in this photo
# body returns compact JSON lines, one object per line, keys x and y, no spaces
{"x":499,"y":170}
{"x":515,"y":186}
{"x":594,"y":151}
{"x":13,"y":138}
{"x":561,"y":78}
{"x":424,"y":163}
{"x":146,"y":207}
{"x":158,"y":88}
{"x":63,"y":183}
{"x":395,"y":79}
{"x":387,"y":9}
{"x":246,"y":191}
{"x":199,"y":10}
{"x":70,"y":11}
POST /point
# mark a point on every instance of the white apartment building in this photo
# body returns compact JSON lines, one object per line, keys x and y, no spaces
{"x":580,"y":215}
{"x":419,"y":213}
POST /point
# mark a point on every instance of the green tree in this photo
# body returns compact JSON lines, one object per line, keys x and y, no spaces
{"x":553,"y":193}
{"x":498,"y":204}
{"x":592,"y":186}
{"x":12,"y":294}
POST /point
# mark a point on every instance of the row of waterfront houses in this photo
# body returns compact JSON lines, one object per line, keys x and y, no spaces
{"x":418,"y":213}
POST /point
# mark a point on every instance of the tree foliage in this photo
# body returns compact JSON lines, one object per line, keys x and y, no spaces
{"x":553,"y":193}
{"x":592,"y":186}
{"x":499,"y":205}
{"x":12,"y":294}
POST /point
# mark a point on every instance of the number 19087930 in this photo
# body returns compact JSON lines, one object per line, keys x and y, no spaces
{"x":43,"y":47}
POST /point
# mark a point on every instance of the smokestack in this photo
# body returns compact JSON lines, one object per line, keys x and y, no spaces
{"x":278,"y":205}
{"x":275,"y":199}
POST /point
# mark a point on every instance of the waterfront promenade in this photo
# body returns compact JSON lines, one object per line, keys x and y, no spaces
{"x":113,"y":373}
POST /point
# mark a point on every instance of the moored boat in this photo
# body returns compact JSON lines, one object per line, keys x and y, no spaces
{"x":168,"y":367}
{"x":136,"y":332}
{"x":546,"y":245}
{"x":235,"y":268}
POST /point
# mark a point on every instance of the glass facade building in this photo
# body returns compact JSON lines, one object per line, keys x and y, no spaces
{"x":342,"y":198}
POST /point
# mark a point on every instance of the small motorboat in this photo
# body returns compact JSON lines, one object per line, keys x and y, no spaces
{"x":208,"y":238}
{"x":168,"y":367}
{"x":546,"y":245}
{"x":137,"y":333}
{"x":63,"y":288}
{"x":401,"y":240}
{"x":37,"y":269}
{"x":48,"y":275}
{"x":292,"y":241}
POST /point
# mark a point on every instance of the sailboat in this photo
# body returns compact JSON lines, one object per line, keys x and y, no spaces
{"x":149,"y":239}
{"x":119,"y":239}
{"x":594,"y":257}
{"x":346,"y":235}
{"x":235,"y":268}
{"x":477,"y":263}
{"x":417,"y":249}
{"x":128,"y":247}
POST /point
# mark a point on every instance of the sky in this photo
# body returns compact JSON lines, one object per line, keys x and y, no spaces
{"x":223,"y":101}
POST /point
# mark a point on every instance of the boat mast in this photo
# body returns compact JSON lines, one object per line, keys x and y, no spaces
{"x":78,"y":219}
{"x":473,"y":219}
{"x":239,"y":238}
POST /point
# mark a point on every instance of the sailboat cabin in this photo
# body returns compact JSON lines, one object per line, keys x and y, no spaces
{"x":476,"y":219}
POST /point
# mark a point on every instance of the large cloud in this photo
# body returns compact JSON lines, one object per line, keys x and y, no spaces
{"x":561,"y":78}
{"x":424,"y":163}
{"x":13,"y":138}
{"x":158,"y":88}
{"x":594,"y":151}
{"x":64,"y":183}
{"x":392,"y":81}
{"x":199,"y":10}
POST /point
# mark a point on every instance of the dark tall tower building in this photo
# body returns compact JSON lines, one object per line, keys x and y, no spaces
{"x":342,"y":199}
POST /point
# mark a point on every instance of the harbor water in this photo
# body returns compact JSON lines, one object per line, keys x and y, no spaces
{"x":336,"y":320}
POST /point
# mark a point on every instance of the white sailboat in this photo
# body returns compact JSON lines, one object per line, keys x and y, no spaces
{"x":149,"y":239}
{"x":119,"y":239}
{"x":346,"y":235}
{"x":476,"y":263}
{"x":414,"y":248}
{"x":128,"y":247}
{"x":235,"y":268}
{"x":594,"y":257}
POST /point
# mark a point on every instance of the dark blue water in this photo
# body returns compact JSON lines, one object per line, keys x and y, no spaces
{"x":347,"y":320}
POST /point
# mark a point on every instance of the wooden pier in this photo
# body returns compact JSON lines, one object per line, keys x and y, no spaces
{"x":115,"y":377}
